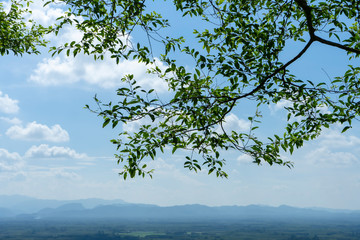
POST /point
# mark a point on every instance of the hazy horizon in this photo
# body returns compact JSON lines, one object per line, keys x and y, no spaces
{"x":121,"y":201}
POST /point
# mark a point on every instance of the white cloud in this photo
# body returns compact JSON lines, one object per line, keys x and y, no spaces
{"x":56,"y":71}
{"x":170,"y":171}
{"x":280,"y":105}
{"x":283,"y":103}
{"x":45,"y":15}
{"x":63,"y":70}
{"x":9,"y":161}
{"x":63,"y":174}
{"x":45,"y":151}
{"x":68,"y":34}
{"x":161,"y":165}
{"x":106,"y":73}
{"x":38,"y":132}
{"x":244,"y":158}
{"x":7,"y":6}
{"x":233,"y":123}
{"x":134,"y":126}
{"x":8,"y":105}
{"x":4,"y":154}
{"x":335,"y":148}
{"x":12,"y":121}
{"x":333,"y":138}
{"x":324,"y":155}
{"x":48,"y":174}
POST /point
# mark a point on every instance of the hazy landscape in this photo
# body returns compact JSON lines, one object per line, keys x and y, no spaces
{"x":29,"y":218}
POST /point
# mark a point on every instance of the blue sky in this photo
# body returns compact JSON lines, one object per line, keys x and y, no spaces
{"x":51,"y":147}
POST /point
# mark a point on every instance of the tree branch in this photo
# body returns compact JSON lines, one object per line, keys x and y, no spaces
{"x":338,"y":45}
{"x":262,"y":83}
{"x":307,"y":10}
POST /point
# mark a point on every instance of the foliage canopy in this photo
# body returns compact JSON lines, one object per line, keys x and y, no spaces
{"x":17,"y":34}
{"x":240,"y":47}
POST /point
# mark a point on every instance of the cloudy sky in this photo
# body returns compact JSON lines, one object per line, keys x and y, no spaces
{"x":51,"y":147}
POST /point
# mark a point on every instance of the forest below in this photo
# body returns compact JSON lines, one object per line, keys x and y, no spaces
{"x":120,"y":229}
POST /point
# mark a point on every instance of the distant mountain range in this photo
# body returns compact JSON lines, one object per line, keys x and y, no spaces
{"x":18,"y":204}
{"x":26,"y":208}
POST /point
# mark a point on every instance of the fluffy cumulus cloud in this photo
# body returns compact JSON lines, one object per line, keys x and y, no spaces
{"x":12,"y":121}
{"x":280,"y":105}
{"x":105,"y":74}
{"x":233,"y":123}
{"x":333,"y":138}
{"x":8,"y":105}
{"x":45,"y":151}
{"x":9,"y":161}
{"x":6,"y":6}
{"x":56,"y":71}
{"x":134,"y":126}
{"x":45,"y":15}
{"x":38,"y":132}
{"x":244,"y":158}
{"x":335,"y":148}
{"x":325,"y":155}
{"x":63,"y":70}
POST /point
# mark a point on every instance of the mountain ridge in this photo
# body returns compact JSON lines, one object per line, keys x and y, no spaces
{"x":20,"y":204}
{"x":119,"y":209}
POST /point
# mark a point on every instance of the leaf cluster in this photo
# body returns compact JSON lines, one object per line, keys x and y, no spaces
{"x":242,"y":49}
{"x":238,"y":58}
{"x":19,"y":35}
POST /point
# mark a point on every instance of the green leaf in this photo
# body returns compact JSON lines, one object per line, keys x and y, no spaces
{"x":106,"y":122}
{"x":345,"y":129}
